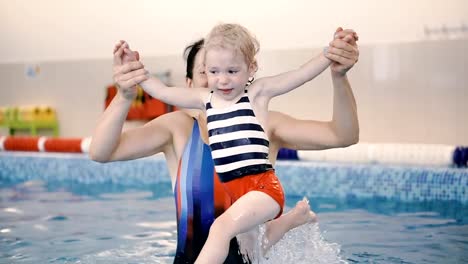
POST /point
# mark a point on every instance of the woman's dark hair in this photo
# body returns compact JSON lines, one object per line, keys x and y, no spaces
{"x":190,"y":53}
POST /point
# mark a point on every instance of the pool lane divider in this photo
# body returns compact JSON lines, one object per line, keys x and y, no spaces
{"x":45,"y":144}
{"x":379,"y":153}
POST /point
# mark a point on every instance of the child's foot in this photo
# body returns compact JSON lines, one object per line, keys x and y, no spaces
{"x":302,"y":213}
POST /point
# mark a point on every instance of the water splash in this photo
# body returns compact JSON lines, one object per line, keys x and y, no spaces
{"x":303,"y":244}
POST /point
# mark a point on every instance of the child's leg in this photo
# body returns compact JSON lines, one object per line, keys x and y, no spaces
{"x":247,"y":212}
{"x":299,"y":215}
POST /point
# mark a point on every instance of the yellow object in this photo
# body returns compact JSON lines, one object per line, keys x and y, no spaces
{"x":47,"y":114}
{"x":11,"y":114}
{"x":27,"y":113}
{"x":2,"y":115}
{"x":139,"y":91}
{"x":29,"y":118}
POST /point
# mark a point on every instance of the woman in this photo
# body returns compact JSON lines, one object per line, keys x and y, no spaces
{"x":182,"y":137}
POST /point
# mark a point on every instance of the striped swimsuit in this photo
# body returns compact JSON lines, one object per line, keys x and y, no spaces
{"x":238,"y":142}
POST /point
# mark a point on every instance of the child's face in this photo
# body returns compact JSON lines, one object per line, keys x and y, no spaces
{"x":227,"y":72}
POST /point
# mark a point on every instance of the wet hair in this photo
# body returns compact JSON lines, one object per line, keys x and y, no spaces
{"x":190,"y":53}
{"x":236,"y":37}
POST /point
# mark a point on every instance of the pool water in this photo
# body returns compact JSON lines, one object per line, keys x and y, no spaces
{"x":67,"y":222}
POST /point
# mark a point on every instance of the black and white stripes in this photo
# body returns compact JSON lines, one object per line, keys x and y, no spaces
{"x":238,"y":142}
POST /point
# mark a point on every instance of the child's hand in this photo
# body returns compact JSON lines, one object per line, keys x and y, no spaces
{"x":343,"y":50}
{"x":128,"y":70}
{"x":127,"y":55}
{"x":347,"y":35}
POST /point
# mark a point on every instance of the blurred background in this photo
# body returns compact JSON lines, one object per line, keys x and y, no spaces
{"x":410,"y":84}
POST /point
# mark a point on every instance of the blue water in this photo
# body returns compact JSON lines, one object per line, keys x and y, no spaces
{"x":66,"y":222}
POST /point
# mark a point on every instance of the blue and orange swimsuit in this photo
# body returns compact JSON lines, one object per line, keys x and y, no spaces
{"x":200,"y":198}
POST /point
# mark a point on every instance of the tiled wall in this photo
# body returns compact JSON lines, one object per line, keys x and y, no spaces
{"x":406,"y":183}
{"x":312,"y":179}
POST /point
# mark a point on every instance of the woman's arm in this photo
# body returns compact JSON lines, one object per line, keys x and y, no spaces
{"x":108,"y":142}
{"x":343,"y":129}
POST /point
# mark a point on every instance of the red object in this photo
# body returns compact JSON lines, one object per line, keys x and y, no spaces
{"x":144,"y":107}
{"x":21,"y":144}
{"x":136,"y":112}
{"x":63,"y":145}
{"x":265,"y":182}
{"x":153,"y":107}
{"x":111,"y":92}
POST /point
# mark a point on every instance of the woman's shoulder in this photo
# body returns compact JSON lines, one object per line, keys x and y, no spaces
{"x":173,"y":119}
{"x":184,"y":114}
{"x":275,"y":117}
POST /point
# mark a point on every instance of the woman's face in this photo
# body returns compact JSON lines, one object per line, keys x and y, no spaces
{"x":199,"y":76}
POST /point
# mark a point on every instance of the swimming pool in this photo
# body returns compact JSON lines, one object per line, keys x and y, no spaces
{"x":67,"y":209}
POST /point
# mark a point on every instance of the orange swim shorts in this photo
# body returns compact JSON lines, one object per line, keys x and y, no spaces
{"x":265,"y":182}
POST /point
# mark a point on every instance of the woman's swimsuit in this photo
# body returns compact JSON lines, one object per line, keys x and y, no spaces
{"x":199,"y":198}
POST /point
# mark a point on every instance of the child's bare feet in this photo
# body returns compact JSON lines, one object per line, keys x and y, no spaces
{"x":302,"y":213}
{"x":299,"y":215}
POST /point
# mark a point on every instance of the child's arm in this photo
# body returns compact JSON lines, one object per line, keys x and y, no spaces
{"x":285,"y":82}
{"x":270,"y":87}
{"x":181,"y":97}
{"x":178,"y":96}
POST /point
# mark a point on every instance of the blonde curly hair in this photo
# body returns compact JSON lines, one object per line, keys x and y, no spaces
{"x":236,"y":37}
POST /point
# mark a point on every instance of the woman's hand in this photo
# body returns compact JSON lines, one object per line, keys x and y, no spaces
{"x":128,"y":70}
{"x":343,"y":51}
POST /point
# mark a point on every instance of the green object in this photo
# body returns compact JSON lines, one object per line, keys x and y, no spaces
{"x":10,"y":120}
{"x":33,"y":126}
